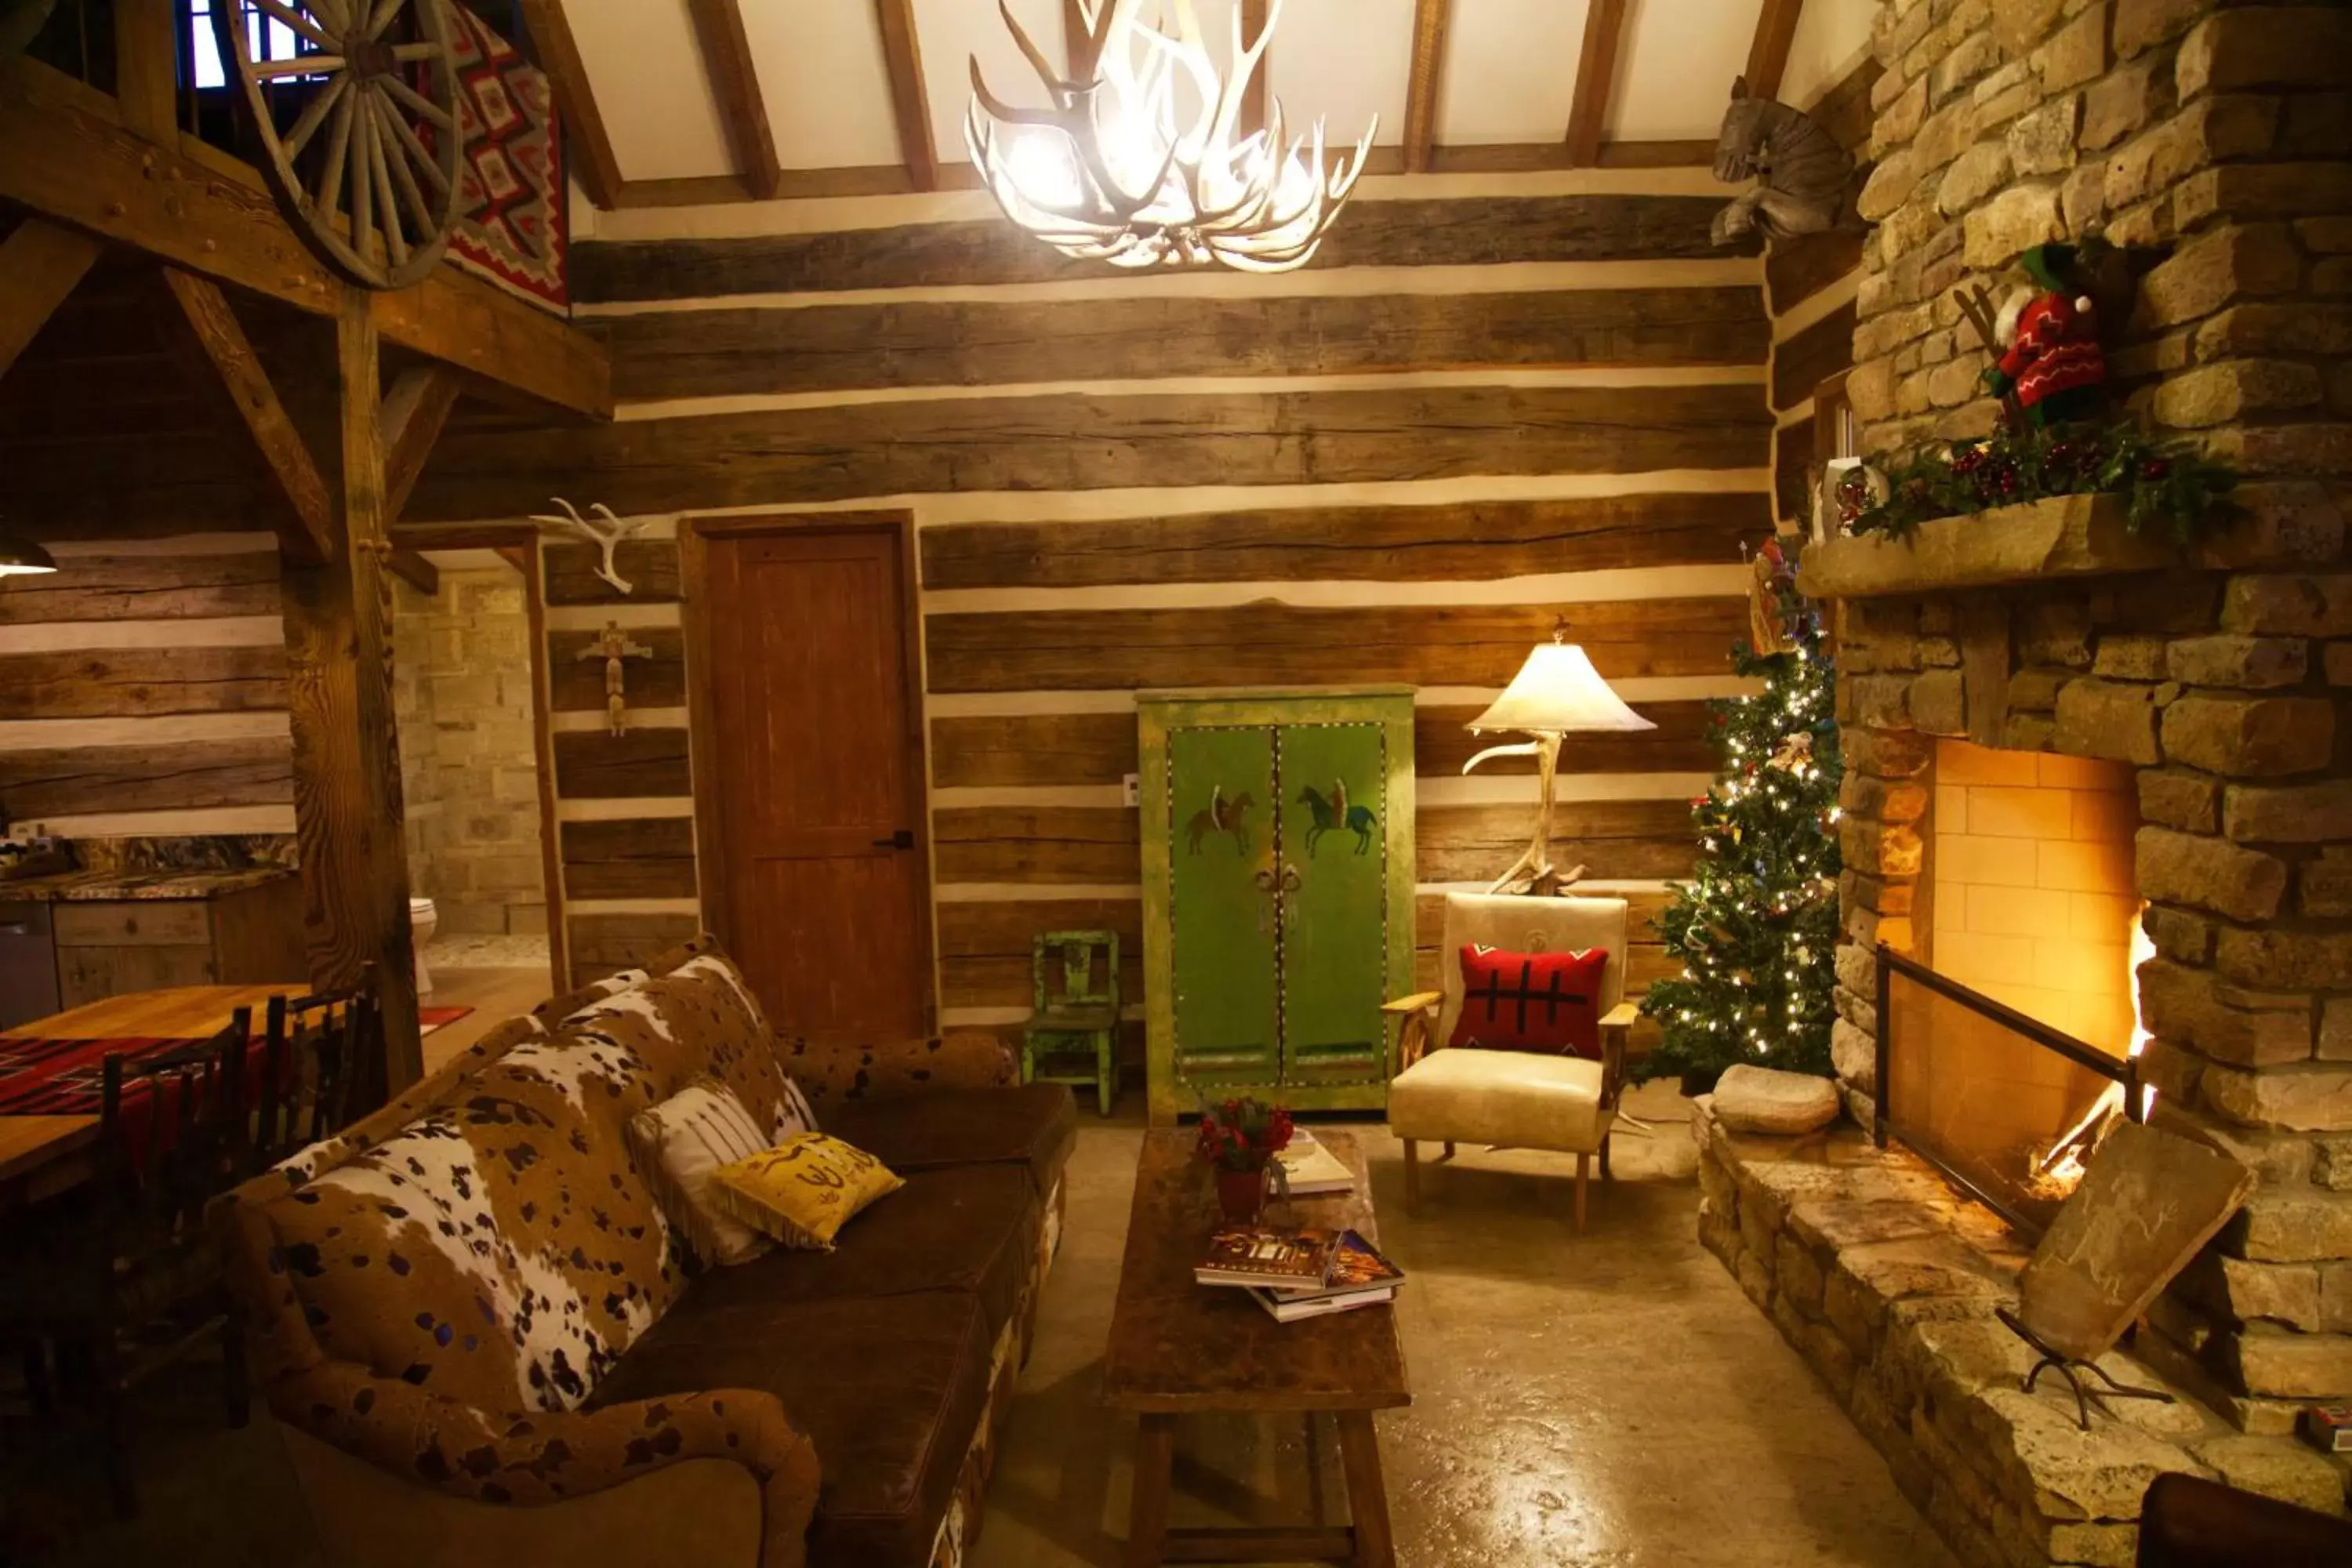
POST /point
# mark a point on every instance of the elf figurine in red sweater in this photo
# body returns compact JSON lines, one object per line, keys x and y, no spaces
{"x":2053,"y":363}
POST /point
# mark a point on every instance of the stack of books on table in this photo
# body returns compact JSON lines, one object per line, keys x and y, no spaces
{"x":1296,"y":1274}
{"x":1312,"y":1171}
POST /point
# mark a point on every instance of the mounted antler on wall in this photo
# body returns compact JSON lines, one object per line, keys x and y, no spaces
{"x":1802,"y":172}
{"x":605,"y":538}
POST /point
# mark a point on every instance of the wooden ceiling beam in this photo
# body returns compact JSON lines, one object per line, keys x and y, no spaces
{"x":40,"y":263}
{"x":596,"y":167}
{"x":909,"y":102}
{"x":735,"y":83}
{"x":69,"y":159}
{"x":1768,"y":56}
{"x":414,"y":570}
{"x":221,"y":358}
{"x":415,"y":409}
{"x":1596,"y":74}
{"x":1429,"y":20}
{"x":1260,"y":94}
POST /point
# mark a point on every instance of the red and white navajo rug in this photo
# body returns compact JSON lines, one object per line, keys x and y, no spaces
{"x":514,"y":225}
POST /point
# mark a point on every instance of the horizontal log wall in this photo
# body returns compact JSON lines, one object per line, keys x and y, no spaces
{"x":143,"y":690}
{"x":1120,"y":482}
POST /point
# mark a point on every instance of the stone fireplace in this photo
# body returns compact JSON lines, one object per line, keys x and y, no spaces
{"x":2190,"y":700}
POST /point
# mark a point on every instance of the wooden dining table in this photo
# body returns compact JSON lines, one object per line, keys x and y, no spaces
{"x":41,"y":1156}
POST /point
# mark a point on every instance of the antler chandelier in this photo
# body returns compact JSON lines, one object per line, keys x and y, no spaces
{"x":1141,"y":161}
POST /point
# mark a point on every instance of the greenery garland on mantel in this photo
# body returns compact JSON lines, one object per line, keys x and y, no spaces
{"x":2167,"y":487}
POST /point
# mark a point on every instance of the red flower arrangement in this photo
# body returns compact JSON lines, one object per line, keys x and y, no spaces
{"x":1243,"y":1134}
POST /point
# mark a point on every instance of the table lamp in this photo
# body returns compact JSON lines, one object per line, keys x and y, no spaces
{"x":20,"y":557}
{"x":1557,"y":692}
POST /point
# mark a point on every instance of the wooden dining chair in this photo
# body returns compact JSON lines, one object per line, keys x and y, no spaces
{"x":322,"y":1068}
{"x":120,"y":1279}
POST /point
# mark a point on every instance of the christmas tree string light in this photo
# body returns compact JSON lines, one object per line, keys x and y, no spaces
{"x":1754,"y":923}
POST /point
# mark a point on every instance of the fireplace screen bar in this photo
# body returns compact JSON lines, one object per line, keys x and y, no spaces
{"x":2003,"y":1105}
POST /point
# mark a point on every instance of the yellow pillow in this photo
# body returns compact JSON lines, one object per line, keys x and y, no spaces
{"x":802,"y":1190}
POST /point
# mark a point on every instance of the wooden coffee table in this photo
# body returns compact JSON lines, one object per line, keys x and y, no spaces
{"x":1178,"y":1347}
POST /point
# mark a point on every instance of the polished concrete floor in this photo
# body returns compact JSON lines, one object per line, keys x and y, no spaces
{"x":1607,"y":1400}
{"x":1595,"y":1401}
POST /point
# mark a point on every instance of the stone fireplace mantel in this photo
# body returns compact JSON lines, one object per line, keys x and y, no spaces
{"x":2068,"y":536}
{"x":2065,"y":536}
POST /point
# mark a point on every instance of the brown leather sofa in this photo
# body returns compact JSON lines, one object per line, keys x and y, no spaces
{"x":480,"y":1354}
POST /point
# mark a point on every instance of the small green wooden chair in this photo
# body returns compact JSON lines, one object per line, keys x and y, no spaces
{"x":1082,"y":1018}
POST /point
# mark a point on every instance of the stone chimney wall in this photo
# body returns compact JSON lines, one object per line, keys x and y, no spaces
{"x":2214,"y":142}
{"x":2220,"y":134}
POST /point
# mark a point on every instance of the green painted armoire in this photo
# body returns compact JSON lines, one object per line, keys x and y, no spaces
{"x":1277,"y":892}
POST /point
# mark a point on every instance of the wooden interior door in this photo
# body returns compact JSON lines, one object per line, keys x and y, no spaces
{"x":816,"y":746}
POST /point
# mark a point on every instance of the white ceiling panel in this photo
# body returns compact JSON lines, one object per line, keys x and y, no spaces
{"x":1511,"y":72}
{"x":952,"y":33}
{"x":1343,"y":62}
{"x":645,"y":68}
{"x":1676,"y":68}
{"x":825,"y":83}
{"x":1830,"y":35}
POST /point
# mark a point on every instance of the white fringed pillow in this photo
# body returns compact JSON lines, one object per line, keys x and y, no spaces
{"x":680,"y":1144}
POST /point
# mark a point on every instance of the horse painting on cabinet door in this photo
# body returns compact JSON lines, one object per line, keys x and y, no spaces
{"x":1333,"y":811}
{"x":1222,"y":815}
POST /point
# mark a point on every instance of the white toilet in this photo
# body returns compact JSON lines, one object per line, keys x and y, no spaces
{"x":422,"y":918}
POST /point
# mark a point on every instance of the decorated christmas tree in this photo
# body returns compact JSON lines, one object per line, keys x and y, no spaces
{"x":1756,"y":927}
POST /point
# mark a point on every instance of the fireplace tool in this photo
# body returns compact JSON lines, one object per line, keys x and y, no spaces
{"x":2071,"y":1369}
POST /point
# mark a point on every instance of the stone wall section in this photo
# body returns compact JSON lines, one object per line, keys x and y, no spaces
{"x":462,"y":694}
{"x":2213,"y":140}
{"x":1886,"y":1283}
{"x":2216,"y":136}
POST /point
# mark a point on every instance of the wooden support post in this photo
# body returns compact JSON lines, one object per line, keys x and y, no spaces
{"x":40,"y":263}
{"x":147,"y":67}
{"x":347,"y":799}
{"x":1596,"y":74}
{"x":1429,"y":18}
{"x":1259,"y":94}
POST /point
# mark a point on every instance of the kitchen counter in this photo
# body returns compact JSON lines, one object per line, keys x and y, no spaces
{"x":121,"y":887}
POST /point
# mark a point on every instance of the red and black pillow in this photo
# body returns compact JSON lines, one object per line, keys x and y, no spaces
{"x":1539,"y":1002}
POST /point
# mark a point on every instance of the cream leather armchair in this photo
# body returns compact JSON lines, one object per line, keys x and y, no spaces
{"x":1511,"y":1099}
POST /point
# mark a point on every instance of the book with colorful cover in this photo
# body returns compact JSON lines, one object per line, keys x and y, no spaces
{"x":1284,"y":1312}
{"x":1248,"y":1254}
{"x":1311,"y":1170}
{"x":1357,"y":1269}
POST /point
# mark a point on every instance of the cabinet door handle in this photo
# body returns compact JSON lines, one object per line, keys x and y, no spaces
{"x":1290,"y":878}
{"x":902,"y":840}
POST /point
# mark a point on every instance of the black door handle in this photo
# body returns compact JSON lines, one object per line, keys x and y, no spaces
{"x":902,"y":840}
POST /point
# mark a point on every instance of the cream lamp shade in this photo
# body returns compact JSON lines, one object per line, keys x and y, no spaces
{"x":1558,"y":691}
{"x":20,"y":557}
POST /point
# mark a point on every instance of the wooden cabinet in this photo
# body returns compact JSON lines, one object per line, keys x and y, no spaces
{"x":251,"y":935}
{"x":1277,"y":892}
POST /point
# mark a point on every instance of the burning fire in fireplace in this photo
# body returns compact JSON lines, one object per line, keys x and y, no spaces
{"x":2058,"y":1170}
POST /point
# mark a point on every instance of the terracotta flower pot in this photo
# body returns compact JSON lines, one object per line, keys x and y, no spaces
{"x":1241,"y":1194}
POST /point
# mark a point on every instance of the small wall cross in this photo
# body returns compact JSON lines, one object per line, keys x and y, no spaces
{"x":613,"y":647}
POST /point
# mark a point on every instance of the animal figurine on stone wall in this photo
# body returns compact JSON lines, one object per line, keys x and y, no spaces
{"x":1802,"y":176}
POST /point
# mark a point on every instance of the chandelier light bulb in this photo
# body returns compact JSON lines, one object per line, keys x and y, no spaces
{"x":1139,"y":159}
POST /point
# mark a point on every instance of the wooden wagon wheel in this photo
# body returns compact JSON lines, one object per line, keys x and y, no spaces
{"x":360,"y":130}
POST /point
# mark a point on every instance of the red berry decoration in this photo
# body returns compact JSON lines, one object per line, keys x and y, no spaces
{"x":2155,"y":468}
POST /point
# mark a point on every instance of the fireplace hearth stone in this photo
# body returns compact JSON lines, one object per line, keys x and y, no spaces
{"x":1886,"y":1281}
